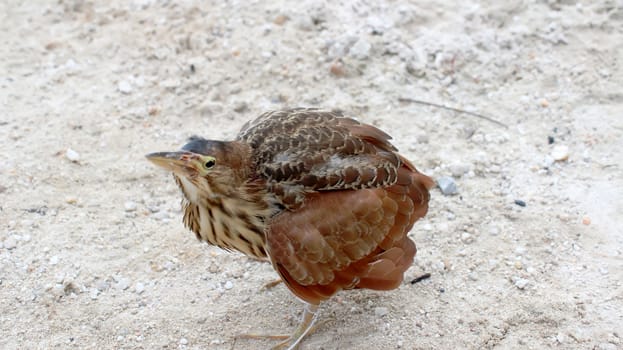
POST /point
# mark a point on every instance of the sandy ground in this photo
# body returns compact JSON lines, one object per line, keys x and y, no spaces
{"x":93,"y":254}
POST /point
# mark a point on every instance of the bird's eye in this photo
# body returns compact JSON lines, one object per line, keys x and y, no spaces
{"x":209,"y":163}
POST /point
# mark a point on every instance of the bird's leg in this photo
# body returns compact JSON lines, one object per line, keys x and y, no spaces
{"x":310,"y":314}
{"x":271,"y":284}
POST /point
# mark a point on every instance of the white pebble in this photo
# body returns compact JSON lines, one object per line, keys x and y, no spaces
{"x":129,"y":206}
{"x":360,"y":50}
{"x":72,"y":155}
{"x":124,"y":87}
{"x":459,"y":169}
{"x":123,"y":284}
{"x":229,"y":285}
{"x":54,"y":260}
{"x":10,"y":242}
{"x":59,"y":277}
{"x":381,"y":311}
{"x":183,"y":341}
{"x":521,"y":283}
{"x":560,"y":153}
{"x":139,"y":288}
{"x":93,"y":292}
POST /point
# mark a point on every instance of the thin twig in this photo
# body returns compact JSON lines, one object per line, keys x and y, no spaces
{"x":426,"y":103}
{"x":420,"y":278}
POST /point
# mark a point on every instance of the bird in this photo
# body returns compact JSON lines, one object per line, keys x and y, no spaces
{"x":326,"y":199}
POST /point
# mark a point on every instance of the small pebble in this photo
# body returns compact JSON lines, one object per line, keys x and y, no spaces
{"x":381,"y":311}
{"x":521,"y":283}
{"x":586,"y":220}
{"x":93,"y":292}
{"x":560,"y":153}
{"x":229,"y":285}
{"x":459,"y":169}
{"x":447,"y":185}
{"x":124,"y":87}
{"x":102,"y":285}
{"x":240,"y":107}
{"x":466,"y":238}
{"x":280,"y":19}
{"x":54,"y":260}
{"x":360,"y":50}
{"x":123,"y":284}
{"x":337,"y":69}
{"x":603,"y":270}
{"x":129,"y":206}
{"x":520,"y":203}
{"x":10,"y":242}
{"x":561,"y":338}
{"x":72,"y":155}
{"x":544,"y":103}
{"x":183,"y":341}
{"x":139,"y":288}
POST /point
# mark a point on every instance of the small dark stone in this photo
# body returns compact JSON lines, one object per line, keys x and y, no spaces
{"x":520,"y":203}
{"x":550,"y":139}
{"x":442,"y":290}
{"x":192,"y":68}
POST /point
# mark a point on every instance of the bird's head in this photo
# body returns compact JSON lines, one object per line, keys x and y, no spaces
{"x":206,"y":166}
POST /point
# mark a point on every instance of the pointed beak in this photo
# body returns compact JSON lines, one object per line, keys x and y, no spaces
{"x":181,"y":163}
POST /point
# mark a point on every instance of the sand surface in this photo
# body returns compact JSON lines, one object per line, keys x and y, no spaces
{"x":93,"y":253}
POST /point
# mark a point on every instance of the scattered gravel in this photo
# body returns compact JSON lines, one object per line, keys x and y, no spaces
{"x":116,"y":80}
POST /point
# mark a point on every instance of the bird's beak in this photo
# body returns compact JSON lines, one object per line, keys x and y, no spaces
{"x":182,"y":163}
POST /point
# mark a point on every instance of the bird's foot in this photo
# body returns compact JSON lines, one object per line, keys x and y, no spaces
{"x":305,"y":327}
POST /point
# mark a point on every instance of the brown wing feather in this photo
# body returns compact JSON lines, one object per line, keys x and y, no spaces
{"x":348,"y":239}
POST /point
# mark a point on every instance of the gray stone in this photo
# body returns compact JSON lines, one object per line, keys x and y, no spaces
{"x":124,"y":87}
{"x":10,"y":242}
{"x":139,"y":288}
{"x":129,"y":206}
{"x":521,"y":283}
{"x":447,"y":185}
{"x":381,"y":311}
{"x":360,"y":50}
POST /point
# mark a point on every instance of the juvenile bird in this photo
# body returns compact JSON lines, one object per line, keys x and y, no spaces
{"x":327,"y":199}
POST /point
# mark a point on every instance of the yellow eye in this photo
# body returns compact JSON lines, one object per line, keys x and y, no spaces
{"x":209,"y":162}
